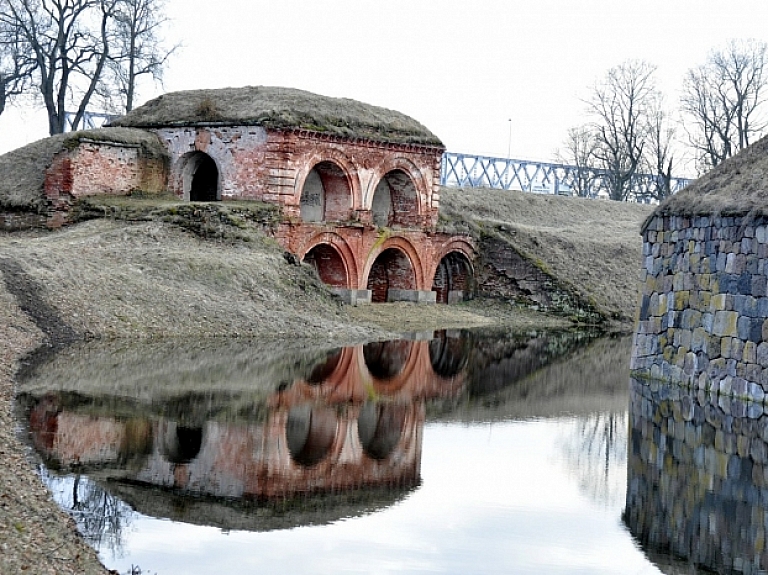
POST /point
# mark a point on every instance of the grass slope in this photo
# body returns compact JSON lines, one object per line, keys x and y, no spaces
{"x":592,"y":245}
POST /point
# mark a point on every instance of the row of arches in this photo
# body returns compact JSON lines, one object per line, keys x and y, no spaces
{"x":393,"y":269}
{"x":312,"y":429}
{"x":326,"y":191}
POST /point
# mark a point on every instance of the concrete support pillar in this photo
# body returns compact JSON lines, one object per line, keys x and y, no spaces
{"x":412,"y":295}
{"x":353,"y":296}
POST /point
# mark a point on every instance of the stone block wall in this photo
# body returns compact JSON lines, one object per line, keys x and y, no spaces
{"x":697,"y":477}
{"x":703,"y":317}
{"x":503,"y":272}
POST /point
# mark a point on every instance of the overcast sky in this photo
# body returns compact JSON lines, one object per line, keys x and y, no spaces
{"x":469,"y":71}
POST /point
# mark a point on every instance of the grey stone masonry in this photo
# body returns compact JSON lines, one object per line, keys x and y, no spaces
{"x":703,"y":313}
{"x":697,"y":478}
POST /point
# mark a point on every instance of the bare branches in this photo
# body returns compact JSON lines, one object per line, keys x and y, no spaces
{"x":76,"y":50}
{"x":139,"y":48}
{"x":16,"y":65}
{"x":621,"y":104}
{"x":580,"y":146}
{"x":723,"y":100}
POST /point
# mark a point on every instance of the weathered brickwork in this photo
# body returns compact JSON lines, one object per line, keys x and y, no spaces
{"x":361,"y":209}
{"x":275,"y":166}
{"x":360,"y":257}
{"x":703,"y":317}
{"x":502,"y":272}
{"x":697,"y":477}
{"x":99,"y":168}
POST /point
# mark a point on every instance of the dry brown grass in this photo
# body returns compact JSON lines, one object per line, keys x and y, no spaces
{"x":737,"y":186}
{"x":23,"y":169}
{"x":593,"y":245}
{"x":279,"y":108}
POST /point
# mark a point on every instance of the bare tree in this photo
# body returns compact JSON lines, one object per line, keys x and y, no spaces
{"x":69,"y":41}
{"x":579,"y":152}
{"x":71,"y":52}
{"x":724,"y":100}
{"x":659,"y":157}
{"x":620,"y":106}
{"x":139,"y":50}
{"x":16,"y":66}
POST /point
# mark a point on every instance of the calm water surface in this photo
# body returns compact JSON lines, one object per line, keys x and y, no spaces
{"x":463,"y":452}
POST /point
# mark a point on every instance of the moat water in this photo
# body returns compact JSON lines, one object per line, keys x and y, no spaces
{"x":452,"y":452}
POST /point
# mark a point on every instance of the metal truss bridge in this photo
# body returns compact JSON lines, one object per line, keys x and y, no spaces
{"x":89,"y":121}
{"x":528,"y":176}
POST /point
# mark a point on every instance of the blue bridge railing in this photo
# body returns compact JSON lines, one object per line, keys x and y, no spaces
{"x":541,"y":177}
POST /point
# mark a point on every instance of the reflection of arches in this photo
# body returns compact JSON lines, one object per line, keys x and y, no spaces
{"x":200,"y":177}
{"x":329,"y":264}
{"x":392,"y":269}
{"x":326,"y":194}
{"x":180,"y":444}
{"x":453,"y":278}
{"x":386,"y":359}
{"x":379,"y":427}
{"x":395,"y":200}
{"x":449,"y":355}
{"x":310,"y":431}
{"x":322,"y":371}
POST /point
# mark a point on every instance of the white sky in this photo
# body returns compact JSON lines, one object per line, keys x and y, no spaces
{"x":469,"y":71}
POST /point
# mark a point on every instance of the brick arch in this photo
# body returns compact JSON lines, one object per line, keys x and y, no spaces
{"x":343,"y":182}
{"x":342,"y":248}
{"x":405,"y":189}
{"x":446,"y":278}
{"x":405,"y":246}
{"x":185,"y":172}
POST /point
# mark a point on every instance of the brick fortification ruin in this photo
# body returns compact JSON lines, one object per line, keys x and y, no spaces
{"x":358,"y":185}
{"x":703,"y":318}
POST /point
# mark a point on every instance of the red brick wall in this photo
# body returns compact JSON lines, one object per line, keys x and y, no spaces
{"x":94,"y":168}
{"x":272,"y":165}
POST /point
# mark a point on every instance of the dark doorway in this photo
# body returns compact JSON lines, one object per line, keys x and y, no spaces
{"x":205,"y":179}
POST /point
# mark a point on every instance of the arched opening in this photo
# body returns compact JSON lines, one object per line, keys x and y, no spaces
{"x":449,"y":355}
{"x":200,"y":178}
{"x":310,"y":431}
{"x":453,"y":279}
{"x":326,"y":194}
{"x":329,"y":265}
{"x":379,"y":428}
{"x":181,"y":444}
{"x":395,"y":201}
{"x":386,"y":359}
{"x":391,"y":270}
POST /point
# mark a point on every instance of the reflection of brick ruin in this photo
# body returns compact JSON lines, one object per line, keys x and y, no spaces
{"x":355,"y":421}
{"x":358,"y":185}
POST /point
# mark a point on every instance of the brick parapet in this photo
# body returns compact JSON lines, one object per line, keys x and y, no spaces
{"x":703,"y":313}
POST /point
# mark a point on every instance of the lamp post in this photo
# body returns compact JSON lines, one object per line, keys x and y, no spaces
{"x":509,"y":141}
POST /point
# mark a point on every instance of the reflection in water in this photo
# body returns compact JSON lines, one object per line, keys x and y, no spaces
{"x":697,"y":479}
{"x":283,"y":440}
{"x":595,"y":452}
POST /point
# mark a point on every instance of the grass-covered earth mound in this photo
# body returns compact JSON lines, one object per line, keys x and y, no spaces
{"x":22,"y":171}
{"x":280,"y":109}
